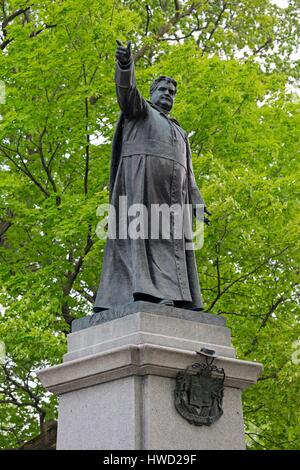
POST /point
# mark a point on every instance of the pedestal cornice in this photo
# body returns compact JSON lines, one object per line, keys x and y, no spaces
{"x":143,"y":359}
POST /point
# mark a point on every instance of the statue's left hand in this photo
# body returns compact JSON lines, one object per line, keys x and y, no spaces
{"x":206,"y":211}
{"x":206,"y":220}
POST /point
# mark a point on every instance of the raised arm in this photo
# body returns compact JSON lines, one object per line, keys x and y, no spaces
{"x":129,"y":98}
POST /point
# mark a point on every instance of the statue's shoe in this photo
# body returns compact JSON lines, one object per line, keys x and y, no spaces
{"x":167,"y":302}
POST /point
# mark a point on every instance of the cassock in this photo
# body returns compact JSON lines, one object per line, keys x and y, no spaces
{"x":151,"y":165}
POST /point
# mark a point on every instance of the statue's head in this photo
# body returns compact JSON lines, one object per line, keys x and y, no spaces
{"x":162,"y":93}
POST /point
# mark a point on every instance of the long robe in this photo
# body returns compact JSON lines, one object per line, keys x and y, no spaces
{"x":151,"y":164}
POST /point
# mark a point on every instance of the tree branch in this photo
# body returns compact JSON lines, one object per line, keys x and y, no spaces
{"x":90,"y":298}
{"x":71,"y":278}
{"x":242,"y":278}
{"x":87,"y":148}
{"x":5,"y":43}
{"x":4,"y":226}
{"x":166,"y":28}
{"x":15,"y":402}
{"x":176,"y":38}
{"x":24,"y":170}
{"x":12,"y":16}
{"x":218,"y":276}
{"x":250,"y":434}
{"x":5,"y":23}
{"x":216,"y":24}
{"x":266,"y":44}
{"x":53,"y":155}
{"x":178,"y":7}
{"x":220,"y":312}
{"x":33,"y":34}
{"x":268,"y":377}
{"x":149,"y":16}
{"x":35,"y":403}
{"x":46,"y":166}
{"x":271,"y":310}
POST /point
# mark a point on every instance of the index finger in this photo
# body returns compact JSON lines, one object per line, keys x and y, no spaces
{"x":119,"y":43}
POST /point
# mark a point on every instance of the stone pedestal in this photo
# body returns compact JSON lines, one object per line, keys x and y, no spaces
{"x":116,"y":384}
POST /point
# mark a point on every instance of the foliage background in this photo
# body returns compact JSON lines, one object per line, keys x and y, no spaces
{"x":237,"y":70}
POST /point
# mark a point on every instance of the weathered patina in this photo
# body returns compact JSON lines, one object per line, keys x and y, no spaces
{"x":151,"y":164}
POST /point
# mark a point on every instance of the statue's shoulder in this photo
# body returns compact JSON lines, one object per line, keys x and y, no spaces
{"x":156,"y":109}
{"x":181,"y":130}
{"x":152,"y":106}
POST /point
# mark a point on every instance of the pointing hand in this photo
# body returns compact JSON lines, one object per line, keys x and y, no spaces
{"x":123,"y":54}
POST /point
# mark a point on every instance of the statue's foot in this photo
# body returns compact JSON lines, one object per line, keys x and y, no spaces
{"x":167,"y":302}
{"x":154,"y":300}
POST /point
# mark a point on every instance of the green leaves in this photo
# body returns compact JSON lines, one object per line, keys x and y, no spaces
{"x":232,"y":66}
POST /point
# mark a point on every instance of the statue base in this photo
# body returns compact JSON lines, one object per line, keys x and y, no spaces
{"x":116,"y":384}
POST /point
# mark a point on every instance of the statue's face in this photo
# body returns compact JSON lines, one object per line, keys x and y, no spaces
{"x":164,"y":96}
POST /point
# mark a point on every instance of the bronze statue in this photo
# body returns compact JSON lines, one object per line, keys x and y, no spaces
{"x":151,"y":165}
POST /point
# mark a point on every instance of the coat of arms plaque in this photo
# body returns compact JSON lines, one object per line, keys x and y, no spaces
{"x":199,"y":391}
